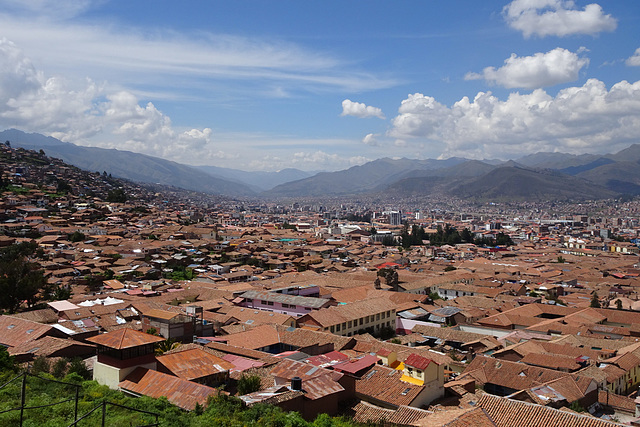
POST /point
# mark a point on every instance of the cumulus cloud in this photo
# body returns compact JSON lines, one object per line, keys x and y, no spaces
{"x":556,"y":18}
{"x":540,"y":70}
{"x":634,"y":60}
{"x":577,"y":119}
{"x":360,"y":110}
{"x":89,"y":114}
{"x":371,"y":139}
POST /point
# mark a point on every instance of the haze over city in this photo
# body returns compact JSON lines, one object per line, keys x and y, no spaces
{"x":323,"y":85}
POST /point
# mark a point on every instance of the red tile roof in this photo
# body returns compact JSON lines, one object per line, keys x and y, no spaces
{"x":417,"y":361}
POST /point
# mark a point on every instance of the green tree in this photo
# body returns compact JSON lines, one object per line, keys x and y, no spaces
{"x":618,"y":304}
{"x":388,"y":240}
{"x":76,"y":236}
{"x":7,"y":362}
{"x":40,"y":365}
{"x":248,"y":384}
{"x":20,"y":279}
{"x":77,"y":366}
{"x":63,"y":187}
{"x":117,"y":196}
{"x":59,"y":368}
{"x":166,"y":345}
{"x":466,"y":236}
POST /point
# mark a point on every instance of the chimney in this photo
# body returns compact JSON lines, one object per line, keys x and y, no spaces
{"x":296,"y":384}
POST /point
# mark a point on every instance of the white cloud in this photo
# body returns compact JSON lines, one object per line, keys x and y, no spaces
{"x":371,"y":139}
{"x":325,"y":160}
{"x":587,"y":118}
{"x":153,"y":58}
{"x":360,"y":110}
{"x":540,"y":70}
{"x":91,"y":115}
{"x":634,"y":60}
{"x":556,"y":18}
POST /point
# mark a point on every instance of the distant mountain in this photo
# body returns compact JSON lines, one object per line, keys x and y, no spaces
{"x":518,"y":184}
{"x":555,"y":160}
{"x":358,"y":179}
{"x":125,"y":164}
{"x":261,"y":181}
{"x":540,"y":176}
{"x":575,"y":170}
{"x":629,"y":154}
{"x":621,"y":177}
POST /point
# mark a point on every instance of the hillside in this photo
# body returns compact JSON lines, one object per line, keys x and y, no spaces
{"x":358,"y":179}
{"x":260,"y":181}
{"x":128,"y":165}
{"x":513,"y":183}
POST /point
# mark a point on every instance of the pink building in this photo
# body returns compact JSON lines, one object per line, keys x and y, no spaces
{"x":293,"y":305}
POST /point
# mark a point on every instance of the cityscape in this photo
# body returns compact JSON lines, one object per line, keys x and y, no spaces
{"x":361,"y":214}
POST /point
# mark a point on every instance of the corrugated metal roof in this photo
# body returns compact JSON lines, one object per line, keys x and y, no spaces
{"x":194,"y":363}
{"x":354,"y":366}
{"x":124,"y":338}
{"x":184,"y":394}
{"x":286,"y":299}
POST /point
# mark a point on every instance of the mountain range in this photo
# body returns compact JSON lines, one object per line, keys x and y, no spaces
{"x":534,"y":177}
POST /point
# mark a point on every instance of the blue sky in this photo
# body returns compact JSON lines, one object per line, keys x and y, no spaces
{"x":323,"y":85}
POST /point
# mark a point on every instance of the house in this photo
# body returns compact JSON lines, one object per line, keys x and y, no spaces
{"x":175,"y":325}
{"x":382,"y":386}
{"x":324,"y":389}
{"x":120,"y":352}
{"x":293,"y":305}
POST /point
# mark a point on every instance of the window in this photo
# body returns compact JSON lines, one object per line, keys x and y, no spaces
{"x":337,"y":328}
{"x":333,"y":329}
{"x":344,"y":325}
{"x":378,"y":316}
{"x":361,"y":319}
{"x":350,"y":324}
{"x":263,"y":302}
{"x":269,"y":302}
{"x":292,"y":306}
{"x":285,"y":305}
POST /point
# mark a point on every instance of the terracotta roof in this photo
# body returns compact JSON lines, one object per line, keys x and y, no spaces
{"x":365,"y":412}
{"x":384,"y":384}
{"x":15,"y":331}
{"x":513,"y":413}
{"x":184,"y":394}
{"x":124,"y":338}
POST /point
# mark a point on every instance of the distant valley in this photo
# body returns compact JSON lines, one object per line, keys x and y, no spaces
{"x":535,"y":177}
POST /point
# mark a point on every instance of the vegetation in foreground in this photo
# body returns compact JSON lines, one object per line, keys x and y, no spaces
{"x":221,"y":410}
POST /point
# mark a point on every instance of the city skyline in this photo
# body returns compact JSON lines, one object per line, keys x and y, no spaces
{"x":323,"y":86}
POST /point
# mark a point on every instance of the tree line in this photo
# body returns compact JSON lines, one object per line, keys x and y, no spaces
{"x":447,"y":235}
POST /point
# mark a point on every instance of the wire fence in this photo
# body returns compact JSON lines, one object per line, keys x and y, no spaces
{"x":103,"y":406}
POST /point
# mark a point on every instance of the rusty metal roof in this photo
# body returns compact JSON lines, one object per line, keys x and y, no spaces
{"x":124,"y":338}
{"x":182,"y":393}
{"x":321,"y":386}
{"x":194,"y":363}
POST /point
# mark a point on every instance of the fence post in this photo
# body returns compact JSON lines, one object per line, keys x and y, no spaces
{"x":75,"y":411}
{"x":23,"y":396}
{"x":104,"y":412}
